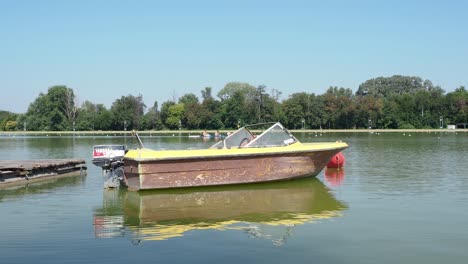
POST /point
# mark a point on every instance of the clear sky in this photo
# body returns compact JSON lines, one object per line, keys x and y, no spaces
{"x":161,"y":49}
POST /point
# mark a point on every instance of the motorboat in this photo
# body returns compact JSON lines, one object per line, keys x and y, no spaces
{"x":240,"y":158}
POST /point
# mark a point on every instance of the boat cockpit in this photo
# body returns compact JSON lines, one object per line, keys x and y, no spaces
{"x":276,"y":135}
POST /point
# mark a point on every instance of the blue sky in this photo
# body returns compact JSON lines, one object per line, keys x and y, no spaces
{"x":161,"y":49}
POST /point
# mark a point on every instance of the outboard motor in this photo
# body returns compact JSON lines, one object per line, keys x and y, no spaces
{"x":105,"y":155}
{"x":110,"y":159}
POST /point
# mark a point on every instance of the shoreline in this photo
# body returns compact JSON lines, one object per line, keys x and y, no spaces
{"x":198,"y":132}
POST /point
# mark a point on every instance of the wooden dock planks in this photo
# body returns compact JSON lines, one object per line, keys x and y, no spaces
{"x":22,"y":171}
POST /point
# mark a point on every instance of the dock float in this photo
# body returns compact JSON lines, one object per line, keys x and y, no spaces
{"x":16,"y":172}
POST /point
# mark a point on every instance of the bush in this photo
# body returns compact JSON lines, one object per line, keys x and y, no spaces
{"x":10,"y":125}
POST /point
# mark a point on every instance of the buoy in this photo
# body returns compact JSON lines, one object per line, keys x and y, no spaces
{"x":337,"y":161}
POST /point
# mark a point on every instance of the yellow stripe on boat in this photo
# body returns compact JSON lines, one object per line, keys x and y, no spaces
{"x":149,"y":154}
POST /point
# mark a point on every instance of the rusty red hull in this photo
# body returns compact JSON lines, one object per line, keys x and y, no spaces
{"x":162,"y":174}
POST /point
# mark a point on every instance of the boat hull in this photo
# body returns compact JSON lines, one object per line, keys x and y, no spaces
{"x":223,"y":170}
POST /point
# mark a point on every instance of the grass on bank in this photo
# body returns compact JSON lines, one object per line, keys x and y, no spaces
{"x":198,"y":132}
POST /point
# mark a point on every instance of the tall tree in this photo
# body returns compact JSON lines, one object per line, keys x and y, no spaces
{"x":206,"y":94}
{"x":92,"y":116}
{"x":231,"y":88}
{"x":175,"y":115}
{"x":127,"y":112}
{"x":304,"y":107}
{"x":239,"y":91}
{"x":457,"y":106}
{"x":165,"y":112}
{"x":152,"y":119}
{"x":103,"y":119}
{"x":234,"y":110}
{"x":295,"y":109}
{"x":86,"y":116}
{"x":396,"y":84}
{"x":8,"y":121}
{"x":210,"y":111}
{"x":260,"y":97}
{"x":63,"y":99}
{"x":188,"y":99}
{"x":368,"y":112}
{"x":338,"y":106}
{"x":271,"y":109}
{"x":52,"y":111}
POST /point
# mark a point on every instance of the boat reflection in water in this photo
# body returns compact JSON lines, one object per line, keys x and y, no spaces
{"x":267,"y":210}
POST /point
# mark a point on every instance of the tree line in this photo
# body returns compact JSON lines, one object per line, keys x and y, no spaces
{"x":383,"y":102}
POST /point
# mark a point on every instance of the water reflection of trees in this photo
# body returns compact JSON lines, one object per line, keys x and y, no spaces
{"x":405,"y":163}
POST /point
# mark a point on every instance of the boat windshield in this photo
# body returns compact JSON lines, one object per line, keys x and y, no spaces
{"x":276,"y":135}
{"x":236,"y":139}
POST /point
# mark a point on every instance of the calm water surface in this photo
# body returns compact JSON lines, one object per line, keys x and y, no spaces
{"x":401,"y":199}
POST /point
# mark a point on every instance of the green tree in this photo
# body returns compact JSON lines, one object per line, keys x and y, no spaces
{"x":408,"y":112}
{"x":52,"y":111}
{"x":127,"y":112}
{"x":8,"y":121}
{"x":86,"y":116}
{"x":338,"y":107}
{"x":10,"y":125}
{"x":165,"y":112}
{"x":92,"y":116}
{"x":231,"y":88}
{"x":456,"y":106}
{"x":390,"y":113}
{"x":271,"y":109}
{"x":294,"y":114}
{"x":383,"y":102}
{"x":189,"y":98}
{"x":175,"y":115}
{"x":240,"y":102}
{"x":234,"y":110}
{"x":396,"y":84}
{"x":210,"y":111}
{"x":295,"y":108}
{"x":260,"y":96}
{"x":429,"y":102}
{"x":368,"y":112}
{"x":191,"y":118}
{"x":311,"y":110}
{"x":62,"y":98}
{"x":314,"y":112}
{"x":152,"y":119}
{"x":103,"y":118}
{"x":206,"y":94}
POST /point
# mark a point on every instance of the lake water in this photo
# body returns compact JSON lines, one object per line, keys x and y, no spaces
{"x":400,"y":199}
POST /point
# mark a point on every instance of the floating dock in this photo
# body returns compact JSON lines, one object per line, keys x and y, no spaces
{"x":17,"y":172}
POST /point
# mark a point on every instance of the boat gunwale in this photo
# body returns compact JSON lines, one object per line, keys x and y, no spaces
{"x":282,"y":150}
